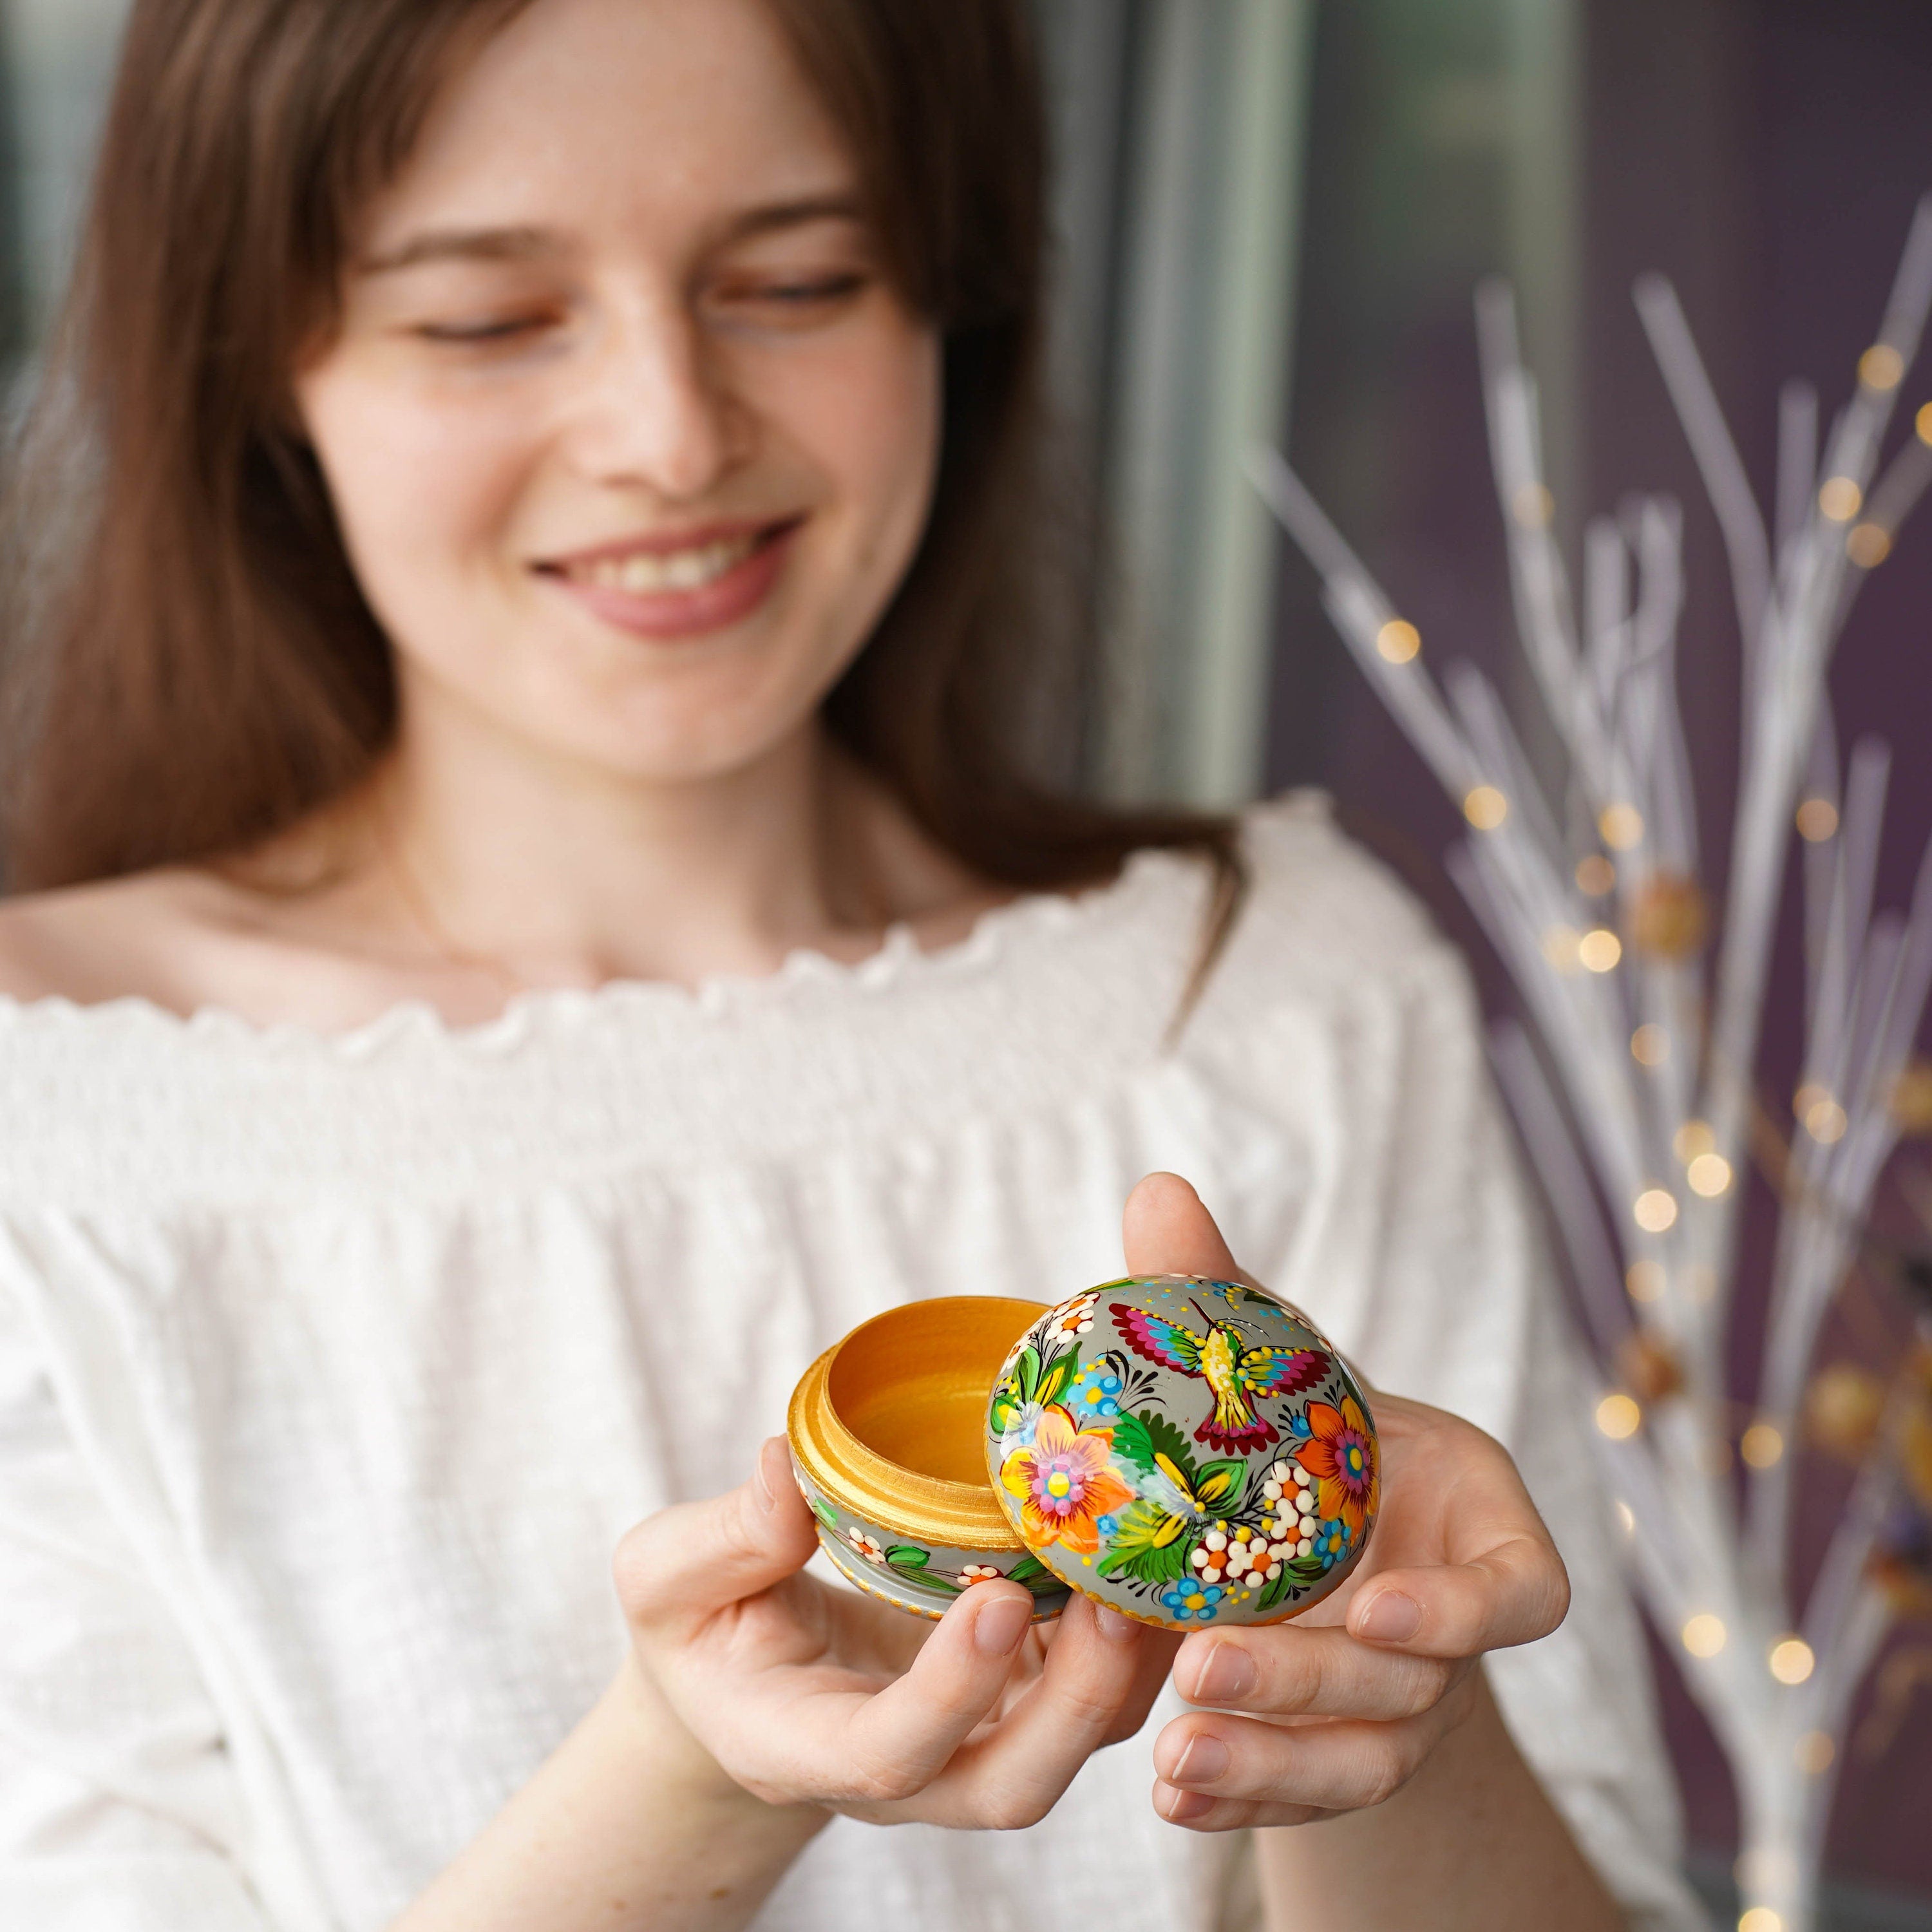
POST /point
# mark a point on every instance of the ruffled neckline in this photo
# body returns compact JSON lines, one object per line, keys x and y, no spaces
{"x":897,"y":963}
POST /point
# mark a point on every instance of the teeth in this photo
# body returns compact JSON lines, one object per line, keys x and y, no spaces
{"x":643,"y":574}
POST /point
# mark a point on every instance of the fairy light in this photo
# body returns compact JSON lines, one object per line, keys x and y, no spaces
{"x":1841,"y":498}
{"x":1761,"y":1446}
{"x":1533,"y":506}
{"x":1791,"y":1660}
{"x":1485,"y":807}
{"x":1880,"y":367}
{"x":1807,"y":1096}
{"x":1760,"y":1918}
{"x":1645,"y":1281}
{"x":1825,"y":1120}
{"x":1709,"y":1175}
{"x":1650,"y":1044}
{"x":1620,"y":825}
{"x":1691,"y":1139}
{"x":1398,"y":640}
{"x":1813,"y":1753}
{"x":1817,"y":820}
{"x":1618,"y":1417}
{"x":1868,"y":544}
{"x":1600,"y":949}
{"x":1924,"y":423}
{"x":1704,"y":1635}
{"x":1655,"y":1209}
{"x":1560,"y":943}
{"x":1596,"y":876}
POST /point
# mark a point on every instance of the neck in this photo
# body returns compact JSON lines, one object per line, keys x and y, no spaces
{"x":538,"y":871}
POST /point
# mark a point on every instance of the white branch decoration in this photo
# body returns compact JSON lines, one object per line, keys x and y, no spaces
{"x":1642,"y":1126}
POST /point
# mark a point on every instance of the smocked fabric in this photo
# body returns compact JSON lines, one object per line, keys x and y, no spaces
{"x":333,"y":1368}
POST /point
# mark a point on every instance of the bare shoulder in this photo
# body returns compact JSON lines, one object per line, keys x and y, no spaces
{"x":105,"y":941}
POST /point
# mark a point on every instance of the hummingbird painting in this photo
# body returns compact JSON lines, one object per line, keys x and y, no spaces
{"x":1237,"y":1375}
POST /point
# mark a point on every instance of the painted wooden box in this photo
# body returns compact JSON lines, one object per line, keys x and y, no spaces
{"x":1184,"y":1450}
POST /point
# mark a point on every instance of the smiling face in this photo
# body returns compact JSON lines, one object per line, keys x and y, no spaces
{"x":630,"y":439}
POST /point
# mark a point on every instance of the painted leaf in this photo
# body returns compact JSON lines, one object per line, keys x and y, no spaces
{"x":1031,"y":1571}
{"x":1057,"y":1374}
{"x":908,"y":1556}
{"x":825,"y":1512}
{"x":1150,"y":1544}
{"x":1025,"y":1374}
{"x":1218,"y":1484}
{"x":1139,"y":1438}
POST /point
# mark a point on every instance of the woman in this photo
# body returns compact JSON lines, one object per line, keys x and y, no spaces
{"x":522,"y":658}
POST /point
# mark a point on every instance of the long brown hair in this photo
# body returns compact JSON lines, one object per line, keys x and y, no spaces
{"x":191,"y":666}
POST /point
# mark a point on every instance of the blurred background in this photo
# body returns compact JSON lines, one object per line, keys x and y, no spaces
{"x":1272,"y":216}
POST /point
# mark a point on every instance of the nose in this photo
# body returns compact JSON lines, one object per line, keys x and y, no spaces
{"x":656,"y":409}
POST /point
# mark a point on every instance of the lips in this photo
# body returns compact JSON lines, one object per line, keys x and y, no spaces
{"x":679,"y":585}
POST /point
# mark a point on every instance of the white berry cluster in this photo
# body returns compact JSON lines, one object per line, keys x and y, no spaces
{"x":1291,"y":1490}
{"x":1239,"y":1555}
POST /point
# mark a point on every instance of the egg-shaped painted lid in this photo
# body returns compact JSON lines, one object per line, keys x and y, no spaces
{"x":1186,"y":1450}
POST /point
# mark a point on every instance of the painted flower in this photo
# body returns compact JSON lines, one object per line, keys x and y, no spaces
{"x":1340,"y":1454}
{"x":1332,"y":1542}
{"x":1075,"y":1319}
{"x":978,"y":1573}
{"x":1247,"y":1556}
{"x":1189,"y":1599}
{"x":1095,"y":1392}
{"x":869,"y":1547}
{"x":1065,"y":1483}
{"x":1210,"y":1559}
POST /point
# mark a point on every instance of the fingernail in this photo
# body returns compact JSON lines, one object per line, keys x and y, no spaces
{"x":1391,"y":1618}
{"x":761,"y":1479}
{"x":1113,"y":1626}
{"x":1000,"y":1626}
{"x":1178,"y":1808}
{"x":1228,"y":1674}
{"x":1203,"y":1761}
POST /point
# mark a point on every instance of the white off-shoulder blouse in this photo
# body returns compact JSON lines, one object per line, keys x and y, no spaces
{"x":332,"y":1369}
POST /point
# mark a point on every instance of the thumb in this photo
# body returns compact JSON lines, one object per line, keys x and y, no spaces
{"x":1166,"y":1230}
{"x":677,"y":1568}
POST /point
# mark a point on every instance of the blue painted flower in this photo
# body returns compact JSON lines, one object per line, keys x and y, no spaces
{"x":1095,"y":1392}
{"x":1107,"y":1527}
{"x":1191,"y":1598}
{"x":1333,"y":1541}
{"x":1299,"y":1426}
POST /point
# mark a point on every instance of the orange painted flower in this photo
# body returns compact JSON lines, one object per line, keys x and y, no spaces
{"x":1065,"y":1482}
{"x":1340,"y":1455}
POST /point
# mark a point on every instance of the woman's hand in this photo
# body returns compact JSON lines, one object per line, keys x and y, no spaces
{"x":806,"y":1695}
{"x":1341,"y":1709}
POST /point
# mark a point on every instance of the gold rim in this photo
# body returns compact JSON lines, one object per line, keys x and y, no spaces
{"x":924,"y":1508}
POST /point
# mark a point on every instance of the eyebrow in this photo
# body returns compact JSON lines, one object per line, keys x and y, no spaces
{"x":525,"y":244}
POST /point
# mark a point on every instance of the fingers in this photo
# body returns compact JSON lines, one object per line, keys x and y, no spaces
{"x":893,"y":1744}
{"x":1305,"y":1769}
{"x":1093,"y":1678}
{"x":678,"y":1566}
{"x":1513,"y":1594}
{"x":1309,"y":1673}
{"x":1166,"y":1230}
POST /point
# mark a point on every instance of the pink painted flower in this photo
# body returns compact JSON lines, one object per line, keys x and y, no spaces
{"x":1065,"y":1482}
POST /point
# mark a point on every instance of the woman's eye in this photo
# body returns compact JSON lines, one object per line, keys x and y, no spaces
{"x":793,"y":295}
{"x":505,"y":329}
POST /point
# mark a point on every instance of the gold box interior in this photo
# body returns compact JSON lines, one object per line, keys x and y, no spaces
{"x":912,"y":1384}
